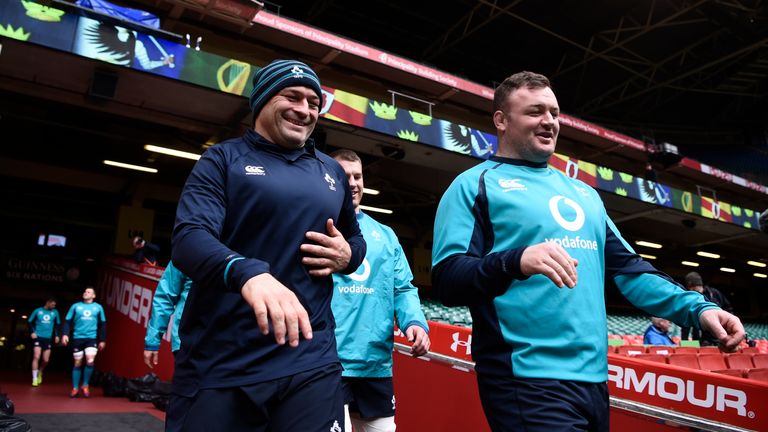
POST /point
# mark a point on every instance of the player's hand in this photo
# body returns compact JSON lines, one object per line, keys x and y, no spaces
{"x":102,"y":345}
{"x":331,"y":253}
{"x":273,"y":302}
{"x":65,"y":340}
{"x":56,"y":340}
{"x":726,"y":327}
{"x":420,"y":339}
{"x":150,"y":358}
{"x":33,"y":335}
{"x":552,"y":261}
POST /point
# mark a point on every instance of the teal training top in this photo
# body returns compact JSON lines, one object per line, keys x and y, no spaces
{"x":526,"y":326}
{"x":87,"y":321}
{"x":365,"y":302}
{"x":44,"y":322}
{"x":169,"y":299}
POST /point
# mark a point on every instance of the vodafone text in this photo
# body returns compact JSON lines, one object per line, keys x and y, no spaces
{"x":677,"y":389}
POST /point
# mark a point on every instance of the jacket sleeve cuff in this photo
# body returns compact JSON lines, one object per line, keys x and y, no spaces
{"x":239,"y":270}
{"x":510,"y":263}
{"x":416,"y":323}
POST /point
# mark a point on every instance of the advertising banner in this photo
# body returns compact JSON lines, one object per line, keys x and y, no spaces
{"x":735,"y":401}
{"x":27,"y":20}
{"x":125,"y":290}
{"x":717,"y":397}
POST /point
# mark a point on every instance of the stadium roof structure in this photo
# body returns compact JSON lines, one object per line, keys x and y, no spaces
{"x":63,"y":114}
{"x":692,"y":73}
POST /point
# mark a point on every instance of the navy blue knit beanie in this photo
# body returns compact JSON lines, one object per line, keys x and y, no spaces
{"x":278,"y":75}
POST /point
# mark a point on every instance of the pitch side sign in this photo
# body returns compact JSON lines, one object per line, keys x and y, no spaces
{"x":735,"y":401}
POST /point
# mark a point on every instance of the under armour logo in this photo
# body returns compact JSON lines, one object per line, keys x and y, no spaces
{"x":298,"y":72}
{"x":335,"y":427}
{"x":464,"y":343}
{"x":393,"y":402}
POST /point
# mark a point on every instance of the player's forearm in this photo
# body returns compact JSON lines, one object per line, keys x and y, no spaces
{"x":462,"y":279}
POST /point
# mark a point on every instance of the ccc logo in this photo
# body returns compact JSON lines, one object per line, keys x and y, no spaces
{"x":570,"y":225}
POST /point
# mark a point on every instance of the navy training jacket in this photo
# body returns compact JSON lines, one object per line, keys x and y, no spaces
{"x":244,"y":211}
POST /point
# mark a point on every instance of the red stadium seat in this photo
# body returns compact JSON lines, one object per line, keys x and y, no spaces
{"x":760,"y":374}
{"x":630,"y":350}
{"x":709,"y":350}
{"x":750,"y":350}
{"x":712,"y":362}
{"x":684,"y":360}
{"x":633,"y":339}
{"x":732,"y":372}
{"x":661,"y":349}
{"x":739,"y":361}
{"x":760,"y":360}
{"x":686,"y":350}
{"x":651,"y":357}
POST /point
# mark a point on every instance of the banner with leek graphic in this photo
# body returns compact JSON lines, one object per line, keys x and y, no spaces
{"x":36,"y":23}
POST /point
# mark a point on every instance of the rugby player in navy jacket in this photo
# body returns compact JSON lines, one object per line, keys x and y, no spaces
{"x":263,"y":222}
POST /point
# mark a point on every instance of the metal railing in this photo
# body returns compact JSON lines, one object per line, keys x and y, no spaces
{"x":667,"y":415}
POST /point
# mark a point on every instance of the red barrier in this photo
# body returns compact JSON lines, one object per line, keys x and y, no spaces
{"x":735,"y":401}
{"x":437,"y":397}
{"x":125,"y":291}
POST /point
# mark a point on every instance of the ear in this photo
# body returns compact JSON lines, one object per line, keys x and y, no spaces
{"x":499,"y":120}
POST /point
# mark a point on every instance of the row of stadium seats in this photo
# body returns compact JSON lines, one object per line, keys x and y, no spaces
{"x":617,"y":324}
{"x":666,"y":349}
{"x":706,"y":360}
{"x":750,"y":366}
{"x":761,"y":345}
{"x":636,"y":324}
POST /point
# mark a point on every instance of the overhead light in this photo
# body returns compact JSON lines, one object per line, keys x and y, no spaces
{"x":376,"y":209}
{"x":13,"y":310}
{"x":727,"y":270}
{"x":707,"y":254}
{"x":689,"y":263}
{"x":760,"y":275}
{"x":646,"y":256}
{"x":172,"y":152}
{"x":757,"y":263}
{"x":648,"y":244}
{"x":370,"y":191}
{"x":129,"y":166}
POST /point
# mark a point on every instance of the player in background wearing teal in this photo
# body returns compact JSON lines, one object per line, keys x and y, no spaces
{"x":364,"y":304}
{"x":169,"y":299}
{"x":44,"y":324}
{"x":529,"y":250}
{"x":88,"y":324}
